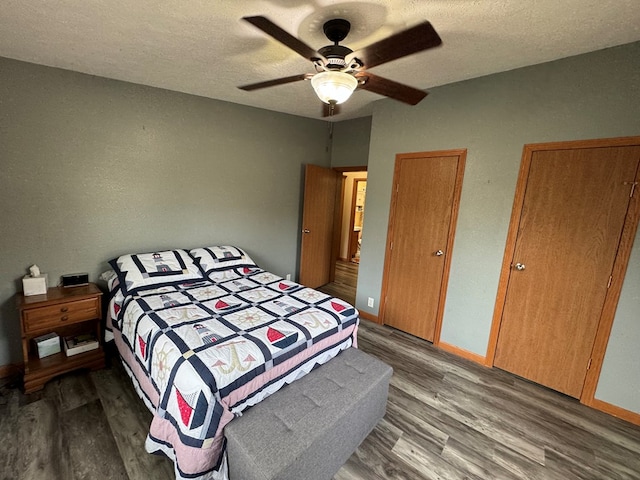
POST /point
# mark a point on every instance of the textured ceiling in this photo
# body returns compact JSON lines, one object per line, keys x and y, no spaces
{"x":204,"y":48}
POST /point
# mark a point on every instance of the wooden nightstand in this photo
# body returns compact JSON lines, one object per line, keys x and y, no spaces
{"x":65,"y":311}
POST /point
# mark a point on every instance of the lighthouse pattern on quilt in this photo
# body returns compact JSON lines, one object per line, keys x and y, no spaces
{"x":206,"y":335}
{"x":286,"y":307}
{"x":240,"y":286}
{"x":167,"y":301}
{"x":160,"y":266}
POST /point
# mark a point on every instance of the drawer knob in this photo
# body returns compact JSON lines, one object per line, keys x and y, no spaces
{"x":64,"y":318}
{"x":64,"y":309}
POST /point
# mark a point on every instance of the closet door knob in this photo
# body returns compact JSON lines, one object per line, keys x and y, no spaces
{"x":305,"y":231}
{"x":439,"y":253}
{"x":519,"y":266}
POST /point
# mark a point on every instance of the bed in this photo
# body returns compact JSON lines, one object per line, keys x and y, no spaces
{"x":204,"y":334}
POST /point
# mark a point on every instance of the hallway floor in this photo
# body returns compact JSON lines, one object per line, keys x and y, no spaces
{"x":344,"y":285}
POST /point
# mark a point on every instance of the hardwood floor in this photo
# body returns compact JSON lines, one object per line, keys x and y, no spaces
{"x":447,"y":419}
{"x":344,"y":285}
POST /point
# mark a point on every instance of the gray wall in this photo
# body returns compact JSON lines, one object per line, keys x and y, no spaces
{"x":350,"y":143}
{"x":74,"y":146}
{"x":93,"y":168}
{"x":589,"y":96}
{"x":619,"y":380}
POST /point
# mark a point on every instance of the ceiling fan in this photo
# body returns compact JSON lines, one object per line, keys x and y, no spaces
{"x":340,"y":70}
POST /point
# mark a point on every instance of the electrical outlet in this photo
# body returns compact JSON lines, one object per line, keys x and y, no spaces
{"x":370,"y":302}
{"x":288,"y":276}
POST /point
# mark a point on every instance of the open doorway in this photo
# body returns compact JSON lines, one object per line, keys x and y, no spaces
{"x":351,"y":211}
{"x":356,"y":219}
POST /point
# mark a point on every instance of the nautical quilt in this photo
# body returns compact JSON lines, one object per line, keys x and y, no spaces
{"x":201,"y":352}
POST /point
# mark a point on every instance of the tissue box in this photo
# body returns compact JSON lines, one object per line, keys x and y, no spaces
{"x":35,"y":285}
{"x":47,"y":344}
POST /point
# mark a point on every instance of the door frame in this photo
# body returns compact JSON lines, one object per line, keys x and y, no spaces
{"x":455,"y":207}
{"x":337,"y":218}
{"x":352,"y":214}
{"x":621,"y":261}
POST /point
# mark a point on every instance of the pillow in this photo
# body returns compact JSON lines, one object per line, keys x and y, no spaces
{"x":150,"y":270}
{"x":211,"y":259}
{"x":111,"y":277}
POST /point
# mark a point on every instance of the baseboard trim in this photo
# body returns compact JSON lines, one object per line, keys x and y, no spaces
{"x":627,"y":415}
{"x":461,"y":352}
{"x":10,"y":370}
{"x":370,"y":316}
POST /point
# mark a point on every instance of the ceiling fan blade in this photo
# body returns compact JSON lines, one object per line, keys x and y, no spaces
{"x":273,"y":30}
{"x":415,"y":39}
{"x":389,"y":88}
{"x":330,"y":110}
{"x":277,"y":81}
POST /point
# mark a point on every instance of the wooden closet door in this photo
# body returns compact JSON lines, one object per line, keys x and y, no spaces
{"x":572,"y":218}
{"x":423,"y":211}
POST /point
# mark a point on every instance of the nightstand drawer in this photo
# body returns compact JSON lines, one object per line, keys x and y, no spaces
{"x":64,"y":313}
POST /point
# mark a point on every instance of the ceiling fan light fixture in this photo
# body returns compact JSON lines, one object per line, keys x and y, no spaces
{"x":333,"y":87}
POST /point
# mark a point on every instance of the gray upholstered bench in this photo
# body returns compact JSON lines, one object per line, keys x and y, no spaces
{"x":309,"y":429}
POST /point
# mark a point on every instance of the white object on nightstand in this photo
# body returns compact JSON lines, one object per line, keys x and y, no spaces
{"x":35,"y":285}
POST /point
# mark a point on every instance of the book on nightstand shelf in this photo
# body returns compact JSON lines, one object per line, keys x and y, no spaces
{"x":79,"y":344}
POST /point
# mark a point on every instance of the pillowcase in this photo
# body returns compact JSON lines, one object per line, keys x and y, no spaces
{"x":143,"y":271}
{"x":111,"y":277}
{"x":211,"y":259}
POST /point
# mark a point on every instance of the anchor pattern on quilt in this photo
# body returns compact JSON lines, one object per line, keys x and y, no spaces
{"x":235,"y":363}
